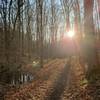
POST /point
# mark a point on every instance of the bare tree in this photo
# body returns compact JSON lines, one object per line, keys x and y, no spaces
{"x":90,"y":50}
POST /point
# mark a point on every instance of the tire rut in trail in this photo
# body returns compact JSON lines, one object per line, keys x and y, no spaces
{"x":60,"y":84}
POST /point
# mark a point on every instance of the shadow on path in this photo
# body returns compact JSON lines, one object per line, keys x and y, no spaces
{"x":60,"y":84}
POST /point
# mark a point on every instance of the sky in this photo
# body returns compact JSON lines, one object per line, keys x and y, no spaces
{"x":58,"y":3}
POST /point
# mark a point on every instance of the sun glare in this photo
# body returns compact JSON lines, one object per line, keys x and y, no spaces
{"x":70,"y":34}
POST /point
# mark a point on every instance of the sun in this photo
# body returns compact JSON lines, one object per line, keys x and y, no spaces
{"x":71,"y":34}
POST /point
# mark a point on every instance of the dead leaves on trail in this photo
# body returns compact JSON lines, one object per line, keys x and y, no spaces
{"x":76,"y":87}
{"x":38,"y":89}
{"x":79,"y":88}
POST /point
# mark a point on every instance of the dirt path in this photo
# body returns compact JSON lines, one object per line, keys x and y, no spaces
{"x":59,"y":81}
{"x":60,"y":84}
{"x":39,"y":89}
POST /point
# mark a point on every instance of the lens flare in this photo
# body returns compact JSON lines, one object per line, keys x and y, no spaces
{"x":70,"y":34}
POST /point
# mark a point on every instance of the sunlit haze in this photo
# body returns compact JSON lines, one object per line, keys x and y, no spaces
{"x":70,"y":34}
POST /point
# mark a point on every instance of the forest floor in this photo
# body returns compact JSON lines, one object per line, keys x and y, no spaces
{"x":57,"y":80}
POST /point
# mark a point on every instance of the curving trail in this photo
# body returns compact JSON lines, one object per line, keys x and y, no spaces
{"x":60,"y":84}
{"x":40,"y":88}
{"x":58,"y":80}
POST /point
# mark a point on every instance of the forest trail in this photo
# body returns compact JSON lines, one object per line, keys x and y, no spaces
{"x":60,"y":84}
{"x":40,"y":88}
{"x":58,"y":80}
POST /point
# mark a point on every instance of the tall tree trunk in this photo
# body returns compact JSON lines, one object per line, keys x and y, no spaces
{"x":41,"y":33}
{"x":39,"y":4}
{"x":89,"y":42}
{"x":5,"y":31}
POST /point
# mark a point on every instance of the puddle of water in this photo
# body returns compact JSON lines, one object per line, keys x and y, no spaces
{"x":16,"y":79}
{"x":21,"y":79}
